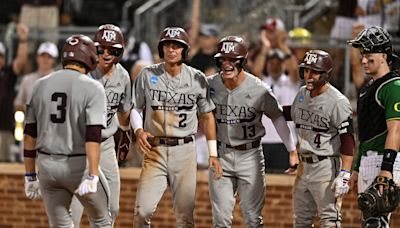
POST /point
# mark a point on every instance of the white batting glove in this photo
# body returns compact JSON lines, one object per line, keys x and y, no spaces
{"x":32,"y":190}
{"x":341,"y":183}
{"x":89,"y":185}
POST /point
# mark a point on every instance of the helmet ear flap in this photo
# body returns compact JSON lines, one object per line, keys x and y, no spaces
{"x":301,"y":72}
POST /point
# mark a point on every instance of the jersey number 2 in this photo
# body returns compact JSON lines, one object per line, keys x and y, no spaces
{"x":61,"y":99}
{"x":182,"y":121}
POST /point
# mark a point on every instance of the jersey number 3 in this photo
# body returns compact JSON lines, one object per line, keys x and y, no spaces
{"x":61,"y":99}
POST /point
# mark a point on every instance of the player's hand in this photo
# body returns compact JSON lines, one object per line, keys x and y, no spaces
{"x":32,"y":190}
{"x":89,"y":185}
{"x":353,"y":180}
{"x":341,"y":183}
{"x":266,"y":44}
{"x":22,"y":31}
{"x":123,"y":146}
{"x":143,"y":138}
{"x":293,"y":163}
{"x":215,"y":166}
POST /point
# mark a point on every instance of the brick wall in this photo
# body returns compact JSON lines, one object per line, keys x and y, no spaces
{"x":19,"y":212}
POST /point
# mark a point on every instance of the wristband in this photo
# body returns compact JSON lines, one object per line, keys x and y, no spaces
{"x":212,"y":148}
{"x":389,"y":156}
{"x":29,"y":153}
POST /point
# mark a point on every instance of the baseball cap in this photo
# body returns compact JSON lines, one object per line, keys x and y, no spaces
{"x":276,"y":53}
{"x":273,"y":24}
{"x":2,"y":49}
{"x":209,"y":30}
{"x":48,"y":48}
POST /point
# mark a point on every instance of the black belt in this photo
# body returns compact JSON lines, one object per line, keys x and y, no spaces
{"x":67,"y":155}
{"x":246,"y":146}
{"x":313,"y":158}
{"x":170,"y":141}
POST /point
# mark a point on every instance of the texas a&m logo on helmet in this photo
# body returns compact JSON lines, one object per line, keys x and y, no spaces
{"x":228,"y":47}
{"x":310,"y":58}
{"x":109,"y":35}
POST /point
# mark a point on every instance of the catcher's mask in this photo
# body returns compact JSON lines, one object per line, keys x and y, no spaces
{"x":175,"y":34}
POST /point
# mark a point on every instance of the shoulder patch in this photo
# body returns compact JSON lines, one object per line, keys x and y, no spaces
{"x":153,"y":79}
{"x":212,"y":91}
{"x":301,"y":98}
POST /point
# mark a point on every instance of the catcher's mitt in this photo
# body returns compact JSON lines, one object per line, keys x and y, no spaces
{"x":374,"y":203}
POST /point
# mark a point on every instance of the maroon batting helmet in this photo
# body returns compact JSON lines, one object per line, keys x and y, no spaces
{"x":317,"y":60}
{"x":80,"y":48}
{"x":109,"y":35}
{"x":176,"y":34}
{"x":232,"y":47}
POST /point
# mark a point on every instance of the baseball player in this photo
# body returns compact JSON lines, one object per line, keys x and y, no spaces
{"x":116,"y":82}
{"x":378,"y":109}
{"x":241,"y":99}
{"x":172,"y":94}
{"x":323,"y":119}
{"x":65,"y":114}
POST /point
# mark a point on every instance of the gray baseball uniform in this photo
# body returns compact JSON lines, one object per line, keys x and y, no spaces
{"x":63,"y":104}
{"x":318,"y":122}
{"x":171,"y":106}
{"x":119,"y":94}
{"x":238,"y":115}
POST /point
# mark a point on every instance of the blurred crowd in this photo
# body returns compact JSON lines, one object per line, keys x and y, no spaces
{"x":273,"y":57}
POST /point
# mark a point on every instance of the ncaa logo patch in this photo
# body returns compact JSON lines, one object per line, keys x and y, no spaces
{"x":153,"y":79}
{"x":173,"y":32}
{"x":301,"y":98}
{"x":228,"y":47}
{"x":108,"y":35}
{"x":212,"y":91}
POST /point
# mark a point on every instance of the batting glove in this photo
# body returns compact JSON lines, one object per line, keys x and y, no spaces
{"x":32,"y":190}
{"x":341,"y":183}
{"x":123,"y":146}
{"x":89,"y":185}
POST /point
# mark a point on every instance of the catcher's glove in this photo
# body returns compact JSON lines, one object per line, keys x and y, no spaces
{"x":374,"y":203}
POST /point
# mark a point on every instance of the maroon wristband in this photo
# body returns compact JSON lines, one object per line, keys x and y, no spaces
{"x":30,"y":153}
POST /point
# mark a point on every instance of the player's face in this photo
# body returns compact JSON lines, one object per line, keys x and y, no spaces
{"x":107,"y":56}
{"x":313,"y":79}
{"x":228,"y":67}
{"x":45,"y":62}
{"x":371,"y":62}
{"x":172,"y":52}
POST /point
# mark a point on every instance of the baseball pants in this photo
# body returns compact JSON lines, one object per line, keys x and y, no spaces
{"x":164,"y":166}
{"x":243,"y":173}
{"x":59,"y":177}
{"x":109,"y":166}
{"x":312,"y":194}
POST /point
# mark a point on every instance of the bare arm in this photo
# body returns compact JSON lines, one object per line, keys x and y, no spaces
{"x":392,"y":141}
{"x":93,"y":156}
{"x":195,"y":27}
{"x":29,"y":144}
{"x":208,"y":123}
{"x":123,"y":118}
{"x":259,"y":62}
{"x":22,"y":53}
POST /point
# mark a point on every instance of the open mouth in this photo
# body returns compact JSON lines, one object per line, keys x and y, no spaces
{"x":107,"y":59}
{"x":228,"y":68}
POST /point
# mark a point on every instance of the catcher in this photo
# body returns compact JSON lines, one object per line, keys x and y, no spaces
{"x":378,"y":128}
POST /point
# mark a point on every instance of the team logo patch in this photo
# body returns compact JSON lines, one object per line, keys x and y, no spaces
{"x":212,"y":91}
{"x":109,"y":35}
{"x":228,"y":47}
{"x":311,"y":58}
{"x":173,"y":32}
{"x":153,"y":79}
{"x":301,"y":98}
{"x":396,"y":107}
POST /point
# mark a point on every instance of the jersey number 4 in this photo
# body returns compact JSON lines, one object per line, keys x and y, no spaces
{"x":61,"y":99}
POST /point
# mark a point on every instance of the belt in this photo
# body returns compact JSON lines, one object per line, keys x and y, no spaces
{"x":313,"y":158}
{"x":170,"y":141}
{"x":246,"y":146}
{"x":67,"y":155}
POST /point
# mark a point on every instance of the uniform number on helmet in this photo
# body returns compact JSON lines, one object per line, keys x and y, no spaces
{"x":172,"y":32}
{"x":182,"y":121}
{"x":61,"y":100}
{"x":249,"y":131}
{"x":311,"y":58}
{"x":228,"y":47}
{"x":317,"y":140}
